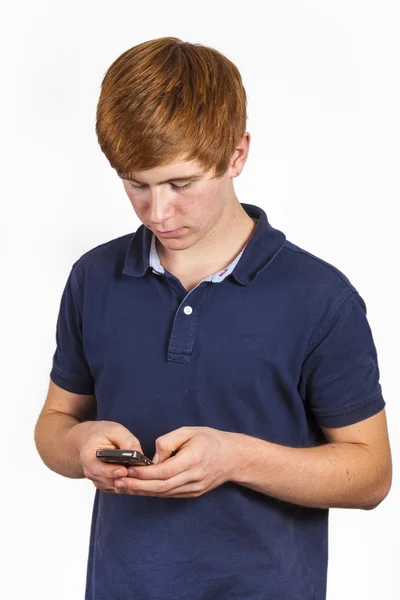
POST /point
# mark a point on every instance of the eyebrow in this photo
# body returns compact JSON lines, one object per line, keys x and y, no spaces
{"x":194,"y":176}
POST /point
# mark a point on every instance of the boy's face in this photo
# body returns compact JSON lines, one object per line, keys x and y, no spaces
{"x":192,"y":212}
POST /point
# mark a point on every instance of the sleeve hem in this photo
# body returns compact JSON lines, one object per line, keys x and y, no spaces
{"x":71,"y":386}
{"x":353,"y":416}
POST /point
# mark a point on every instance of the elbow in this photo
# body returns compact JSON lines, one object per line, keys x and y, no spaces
{"x":381,"y":493}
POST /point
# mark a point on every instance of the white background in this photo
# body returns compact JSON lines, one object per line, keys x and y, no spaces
{"x":322,"y":79}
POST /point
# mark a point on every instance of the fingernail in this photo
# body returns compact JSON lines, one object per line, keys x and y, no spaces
{"x":120,"y":484}
{"x":156,"y":458}
{"x":119,"y":473}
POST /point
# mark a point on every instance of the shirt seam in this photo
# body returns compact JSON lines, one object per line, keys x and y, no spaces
{"x":75,"y":292}
{"x":320,"y":260}
{"x":344,"y":296}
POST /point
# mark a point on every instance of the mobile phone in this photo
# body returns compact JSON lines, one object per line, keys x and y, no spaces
{"x":123,"y":457}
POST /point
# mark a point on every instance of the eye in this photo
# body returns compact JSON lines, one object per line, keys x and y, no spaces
{"x":139,"y":188}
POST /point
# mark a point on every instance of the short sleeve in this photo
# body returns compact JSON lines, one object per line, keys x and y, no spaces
{"x":340,"y":376}
{"x":70,"y":369}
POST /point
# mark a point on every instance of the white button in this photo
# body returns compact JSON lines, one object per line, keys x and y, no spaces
{"x":188,"y":310}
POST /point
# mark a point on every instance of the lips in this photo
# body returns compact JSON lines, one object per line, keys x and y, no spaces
{"x":170,"y":234}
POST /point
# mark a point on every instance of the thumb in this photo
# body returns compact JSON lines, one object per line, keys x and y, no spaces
{"x":123,"y":438}
{"x":171,"y":442}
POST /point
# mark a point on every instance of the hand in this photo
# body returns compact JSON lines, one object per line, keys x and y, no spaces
{"x":93,"y":435}
{"x":202,"y":463}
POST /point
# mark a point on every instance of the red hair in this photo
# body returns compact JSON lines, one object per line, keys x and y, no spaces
{"x":166,"y":100}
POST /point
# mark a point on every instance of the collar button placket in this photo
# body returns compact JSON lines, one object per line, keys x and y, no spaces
{"x":184,"y":327}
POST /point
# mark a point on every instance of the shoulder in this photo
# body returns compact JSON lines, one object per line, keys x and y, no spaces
{"x":103,"y":261}
{"x":312,"y":274}
{"x":314,"y":289}
{"x":106,"y":251}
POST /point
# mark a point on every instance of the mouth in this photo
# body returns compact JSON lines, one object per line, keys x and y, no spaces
{"x":171,"y":233}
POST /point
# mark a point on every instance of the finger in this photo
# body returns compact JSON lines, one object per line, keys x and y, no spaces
{"x":120,"y":436}
{"x":193,"y":489}
{"x":106,"y":481}
{"x":155,"y":486}
{"x":103,"y":484}
{"x":190,"y":490}
{"x":100,"y":469}
{"x":114,"y":471}
{"x":103,"y":488}
{"x":183,"y":461}
{"x":172,"y":441}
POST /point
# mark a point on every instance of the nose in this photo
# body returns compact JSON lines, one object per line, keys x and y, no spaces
{"x":160,"y":207}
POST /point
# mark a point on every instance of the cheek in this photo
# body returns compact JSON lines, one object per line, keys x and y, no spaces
{"x":201,"y":207}
{"x":138,"y":205}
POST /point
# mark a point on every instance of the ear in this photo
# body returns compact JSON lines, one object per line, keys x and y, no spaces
{"x":240,"y":155}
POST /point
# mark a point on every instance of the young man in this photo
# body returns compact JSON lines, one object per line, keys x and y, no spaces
{"x":242,"y":362}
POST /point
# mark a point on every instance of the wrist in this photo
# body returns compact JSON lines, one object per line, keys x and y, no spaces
{"x":245,"y":453}
{"x":234,"y":452}
{"x":76,"y":435}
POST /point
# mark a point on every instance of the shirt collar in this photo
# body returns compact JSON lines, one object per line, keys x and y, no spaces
{"x":261,"y":249}
{"x":217,"y":277}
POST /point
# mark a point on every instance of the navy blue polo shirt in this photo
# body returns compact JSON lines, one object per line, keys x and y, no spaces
{"x":276,"y":346}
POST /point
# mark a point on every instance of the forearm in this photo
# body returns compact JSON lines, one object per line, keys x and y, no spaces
{"x":57,"y":440}
{"x":340,"y":475}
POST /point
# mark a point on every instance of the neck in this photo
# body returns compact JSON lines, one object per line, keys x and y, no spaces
{"x":216,"y":250}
